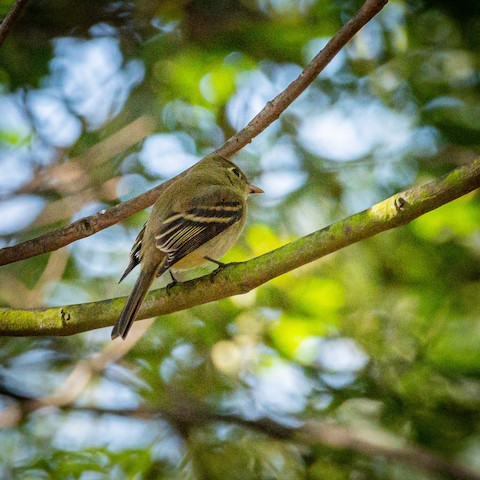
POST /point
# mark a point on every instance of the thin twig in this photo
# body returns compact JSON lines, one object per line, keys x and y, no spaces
{"x":279,"y":104}
{"x":73,"y":176}
{"x":94,"y":223}
{"x":393,"y":212}
{"x":75,"y":383}
{"x":10,"y":19}
{"x":84,"y":370}
{"x":384,"y":445}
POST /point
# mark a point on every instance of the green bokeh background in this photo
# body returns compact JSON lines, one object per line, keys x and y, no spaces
{"x":383,"y":335}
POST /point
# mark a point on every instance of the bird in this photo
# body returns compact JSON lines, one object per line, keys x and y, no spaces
{"x":195,"y":220}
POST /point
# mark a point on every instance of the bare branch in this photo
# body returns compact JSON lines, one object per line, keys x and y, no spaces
{"x":82,"y":373}
{"x":76,"y":382}
{"x":385,"y":445}
{"x":279,"y":104}
{"x":82,"y":228}
{"x":72,"y":177}
{"x":94,"y":223}
{"x":395,"y":211}
{"x":10,"y":19}
{"x":327,"y":433}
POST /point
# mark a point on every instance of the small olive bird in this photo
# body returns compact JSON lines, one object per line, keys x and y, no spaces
{"x":195,"y":220}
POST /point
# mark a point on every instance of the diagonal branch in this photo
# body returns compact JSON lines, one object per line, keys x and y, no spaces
{"x":279,"y":104}
{"x":368,"y":442}
{"x":10,"y":19}
{"x":74,"y":384}
{"x":87,"y":226}
{"x":314,"y":432}
{"x":385,"y":445}
{"x":395,"y":211}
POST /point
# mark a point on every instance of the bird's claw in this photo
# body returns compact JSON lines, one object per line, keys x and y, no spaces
{"x":220,"y":266}
{"x":172,"y":283}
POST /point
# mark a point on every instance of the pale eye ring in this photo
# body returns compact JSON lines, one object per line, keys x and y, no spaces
{"x":236,"y":171}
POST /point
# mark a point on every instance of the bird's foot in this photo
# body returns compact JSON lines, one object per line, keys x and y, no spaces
{"x":220,"y":266}
{"x":172,"y":283}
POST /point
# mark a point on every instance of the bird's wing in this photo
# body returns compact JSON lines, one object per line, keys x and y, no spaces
{"x":135,"y":253}
{"x":206,"y":217}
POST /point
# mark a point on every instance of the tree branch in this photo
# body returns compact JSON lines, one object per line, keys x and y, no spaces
{"x":326,"y":433}
{"x":364,"y":441}
{"x":10,"y":19}
{"x":395,"y":211}
{"x":276,"y":107}
{"x":94,"y":223}
{"x":73,"y":176}
{"x":385,"y":445}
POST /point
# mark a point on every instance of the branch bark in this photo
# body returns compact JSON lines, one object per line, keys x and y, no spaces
{"x":10,"y":19}
{"x":87,"y":226}
{"x":395,"y":211}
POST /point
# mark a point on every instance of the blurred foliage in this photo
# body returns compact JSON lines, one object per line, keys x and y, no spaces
{"x":383,"y":335}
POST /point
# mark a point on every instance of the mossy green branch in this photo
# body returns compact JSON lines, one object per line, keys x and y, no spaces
{"x":84,"y":227}
{"x":236,"y":279}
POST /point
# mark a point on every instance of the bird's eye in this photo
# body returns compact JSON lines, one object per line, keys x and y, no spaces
{"x":236,"y":171}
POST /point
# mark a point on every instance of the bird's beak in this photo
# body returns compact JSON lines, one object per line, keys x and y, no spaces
{"x":254,"y":189}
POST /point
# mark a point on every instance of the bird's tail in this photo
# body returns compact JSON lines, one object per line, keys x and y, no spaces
{"x":134,"y":302}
